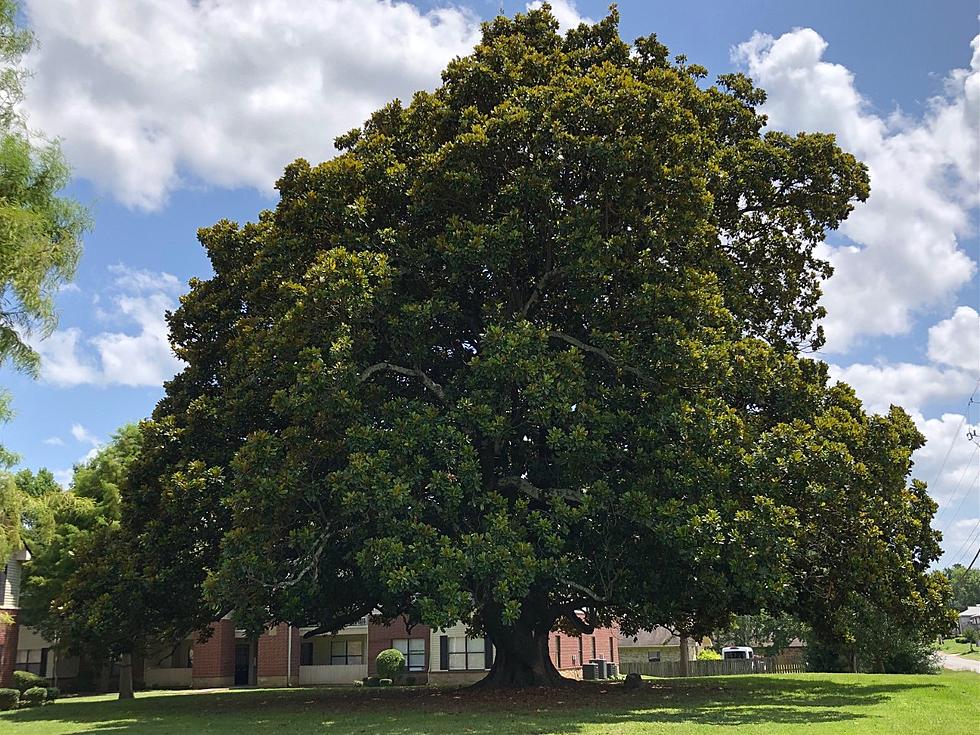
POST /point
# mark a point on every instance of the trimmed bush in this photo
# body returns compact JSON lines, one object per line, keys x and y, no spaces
{"x":372,"y":681}
{"x":9,"y":699}
{"x":708,"y":654}
{"x":385,"y":682}
{"x":24,"y":680}
{"x":53,"y":693}
{"x":391,"y":663}
{"x":34,"y":697}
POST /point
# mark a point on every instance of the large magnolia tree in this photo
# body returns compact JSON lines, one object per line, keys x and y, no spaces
{"x":523,"y":354}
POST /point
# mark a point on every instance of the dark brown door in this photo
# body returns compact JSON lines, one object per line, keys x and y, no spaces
{"x":241,"y":664}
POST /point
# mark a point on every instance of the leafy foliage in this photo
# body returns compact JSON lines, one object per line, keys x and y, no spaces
{"x":391,"y":663}
{"x":9,"y":699}
{"x":964,"y":585}
{"x":39,"y":230}
{"x":34,"y":697}
{"x":708,"y":654}
{"x":24,"y":680}
{"x":77,"y":567}
{"x":529,"y":345}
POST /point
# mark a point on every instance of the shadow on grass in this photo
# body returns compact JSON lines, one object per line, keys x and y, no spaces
{"x":728,"y":701}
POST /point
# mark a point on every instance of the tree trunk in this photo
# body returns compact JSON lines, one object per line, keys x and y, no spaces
{"x":126,"y":676}
{"x":685,"y":656}
{"x":522,"y":659}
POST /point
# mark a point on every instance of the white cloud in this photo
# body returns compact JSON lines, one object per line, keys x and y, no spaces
{"x":956,"y":341}
{"x":904,"y":384}
{"x":54,"y":441}
{"x":63,"y":477}
{"x":924,"y":182}
{"x":565,"y":13}
{"x":140,"y":356}
{"x":84,"y":436}
{"x":150,"y":95}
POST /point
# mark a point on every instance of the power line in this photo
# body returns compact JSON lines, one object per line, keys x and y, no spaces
{"x":956,"y":433}
{"x":966,"y":493}
{"x":963,"y":550}
{"x":974,"y":560}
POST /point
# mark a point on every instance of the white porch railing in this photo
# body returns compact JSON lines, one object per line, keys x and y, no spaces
{"x":341,"y":674}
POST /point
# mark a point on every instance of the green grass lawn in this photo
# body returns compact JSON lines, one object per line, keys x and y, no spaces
{"x":960,"y":649}
{"x":815,"y":704}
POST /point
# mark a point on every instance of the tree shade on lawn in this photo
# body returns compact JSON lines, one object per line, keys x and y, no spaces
{"x":751,"y":705}
{"x":528,"y":346}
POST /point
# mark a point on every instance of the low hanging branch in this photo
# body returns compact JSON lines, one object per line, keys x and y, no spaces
{"x":428,"y":382}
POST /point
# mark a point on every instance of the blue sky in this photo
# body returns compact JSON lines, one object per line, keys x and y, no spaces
{"x":177,"y":114}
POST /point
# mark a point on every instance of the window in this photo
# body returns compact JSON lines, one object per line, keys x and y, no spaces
{"x":346,"y":653}
{"x":653,"y":656}
{"x":33,"y":660}
{"x":306,"y":653}
{"x":612,"y":651}
{"x":413,"y":649}
{"x":558,"y":650}
{"x":593,"y":647}
{"x":467,"y":654}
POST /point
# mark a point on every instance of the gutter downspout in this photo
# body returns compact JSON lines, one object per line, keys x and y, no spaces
{"x":289,"y":654}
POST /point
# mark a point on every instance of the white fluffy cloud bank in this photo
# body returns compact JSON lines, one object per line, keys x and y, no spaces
{"x":903,"y":256}
{"x":137,"y":353}
{"x":150,"y":95}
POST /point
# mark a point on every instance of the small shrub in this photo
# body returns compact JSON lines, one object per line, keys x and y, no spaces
{"x":391,"y":663}
{"x":385,"y":682}
{"x":708,"y":654}
{"x":372,"y":681}
{"x":34,"y":697}
{"x":962,"y":640}
{"x":9,"y":699}
{"x":358,"y":682}
{"x":53,"y":693}
{"x":24,"y":680}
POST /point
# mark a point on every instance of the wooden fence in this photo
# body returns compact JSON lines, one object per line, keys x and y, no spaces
{"x":724,"y":667}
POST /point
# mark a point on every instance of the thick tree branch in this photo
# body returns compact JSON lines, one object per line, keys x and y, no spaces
{"x":339,"y":621}
{"x":598,"y":351}
{"x":539,"y":289}
{"x":532,"y":491}
{"x":410,"y":372}
{"x":587,"y":591}
{"x":576,"y":622}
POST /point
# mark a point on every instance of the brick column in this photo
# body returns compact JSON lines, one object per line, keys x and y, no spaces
{"x":8,"y":649}
{"x":214,"y":660}
{"x":273,"y":655}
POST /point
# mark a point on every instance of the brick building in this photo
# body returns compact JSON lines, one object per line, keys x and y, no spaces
{"x":282,"y":656}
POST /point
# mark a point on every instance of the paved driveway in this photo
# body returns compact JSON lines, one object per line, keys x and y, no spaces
{"x":951,"y":661}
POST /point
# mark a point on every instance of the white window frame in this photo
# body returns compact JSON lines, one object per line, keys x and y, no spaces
{"x":467,"y":651}
{"x":413,"y":649}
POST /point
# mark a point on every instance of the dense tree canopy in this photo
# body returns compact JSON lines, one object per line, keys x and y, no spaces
{"x":527,"y":346}
{"x":82,"y":588}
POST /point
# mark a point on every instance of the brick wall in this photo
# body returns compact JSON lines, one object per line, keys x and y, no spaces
{"x":8,"y":650}
{"x":381,"y":636}
{"x":575,"y":650}
{"x":274,"y":656}
{"x":214,"y":660}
